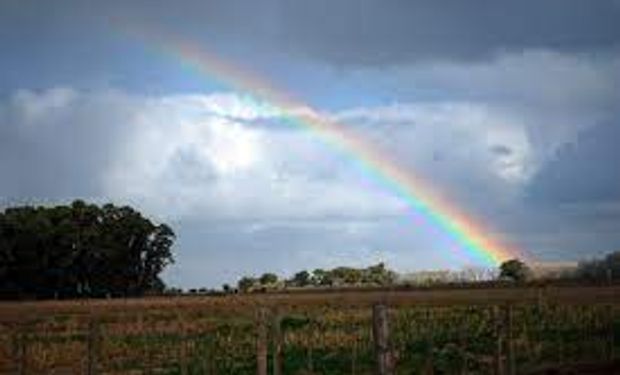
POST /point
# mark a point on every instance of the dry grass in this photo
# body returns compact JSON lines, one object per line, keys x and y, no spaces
{"x":322,"y":332}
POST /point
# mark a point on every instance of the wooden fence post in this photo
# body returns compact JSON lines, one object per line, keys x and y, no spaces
{"x":19,"y":350}
{"x":93,"y":344}
{"x":311,"y":343}
{"x":540,"y":298}
{"x":510,"y":349}
{"x":277,"y":343}
{"x":611,"y":339}
{"x":558,"y":335}
{"x":463,"y":345}
{"x":211,"y":356}
{"x":499,"y":362}
{"x":380,"y":332}
{"x":354,"y":357}
{"x":261,"y":342}
{"x":429,"y":362}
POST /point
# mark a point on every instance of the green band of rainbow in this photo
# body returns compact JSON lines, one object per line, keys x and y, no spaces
{"x":375,"y":166}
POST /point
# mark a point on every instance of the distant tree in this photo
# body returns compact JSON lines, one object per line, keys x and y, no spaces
{"x":226,"y":288}
{"x":268,"y":279}
{"x":302,"y":278}
{"x":174,"y":291}
{"x":319,"y":277}
{"x":246,"y":284}
{"x":606,"y":269}
{"x":346,"y":275}
{"x":515,"y":270}
{"x":378,"y":274}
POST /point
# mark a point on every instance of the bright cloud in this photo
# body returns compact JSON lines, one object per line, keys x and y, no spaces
{"x":206,"y":156}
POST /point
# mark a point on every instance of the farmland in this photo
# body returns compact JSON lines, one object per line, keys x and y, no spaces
{"x":482,"y":330}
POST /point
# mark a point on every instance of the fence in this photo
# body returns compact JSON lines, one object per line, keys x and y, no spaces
{"x":382,"y":337}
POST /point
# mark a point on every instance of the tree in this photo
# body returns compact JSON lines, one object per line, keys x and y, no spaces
{"x":346,"y":275}
{"x":302,"y":278}
{"x":378,"y":274}
{"x":320,"y":277}
{"x":514,"y":270}
{"x":245,"y":284}
{"x":81,"y":250}
{"x":268,"y":279}
{"x":606,"y":269}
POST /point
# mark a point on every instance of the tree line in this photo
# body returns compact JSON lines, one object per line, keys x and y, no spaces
{"x":81,"y":250}
{"x":602,"y":270}
{"x":373,"y":276}
{"x":606,"y":269}
{"x":376,"y":275}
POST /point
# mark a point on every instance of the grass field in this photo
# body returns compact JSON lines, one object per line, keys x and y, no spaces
{"x":505,"y":330}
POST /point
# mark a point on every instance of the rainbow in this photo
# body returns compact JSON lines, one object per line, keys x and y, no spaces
{"x":378,"y":168}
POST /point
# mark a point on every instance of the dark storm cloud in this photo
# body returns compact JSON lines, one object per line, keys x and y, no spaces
{"x":388,"y":32}
{"x":362,"y":32}
{"x":584,"y":171}
{"x":369,"y":32}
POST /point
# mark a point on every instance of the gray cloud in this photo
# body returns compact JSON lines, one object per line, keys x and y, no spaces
{"x":369,"y":32}
{"x":379,"y":32}
{"x":570,"y":209}
{"x":358,"y":32}
{"x":55,"y":144}
{"x":501,"y":150}
{"x":584,"y":171}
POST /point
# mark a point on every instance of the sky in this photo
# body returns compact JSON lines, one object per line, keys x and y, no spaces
{"x":509,"y":111}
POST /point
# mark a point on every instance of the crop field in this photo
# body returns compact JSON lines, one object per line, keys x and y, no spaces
{"x":476,"y":331}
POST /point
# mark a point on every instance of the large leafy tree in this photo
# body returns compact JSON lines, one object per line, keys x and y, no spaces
{"x":81,"y":250}
{"x":515,"y":270}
